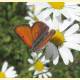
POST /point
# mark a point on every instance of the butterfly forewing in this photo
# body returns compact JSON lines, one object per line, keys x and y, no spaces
{"x":24,"y":32}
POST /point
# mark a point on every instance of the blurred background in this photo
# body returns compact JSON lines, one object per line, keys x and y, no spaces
{"x":13,"y":50}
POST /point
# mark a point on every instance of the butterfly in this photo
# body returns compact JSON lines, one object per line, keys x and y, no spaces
{"x":36,"y":37}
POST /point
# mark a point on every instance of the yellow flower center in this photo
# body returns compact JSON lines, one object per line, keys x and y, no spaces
{"x":39,"y":66}
{"x":57,"y":5}
{"x":58,"y":38}
{"x":2,"y":75}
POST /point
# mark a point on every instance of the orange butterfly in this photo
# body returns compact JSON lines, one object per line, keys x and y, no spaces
{"x":37,"y":36}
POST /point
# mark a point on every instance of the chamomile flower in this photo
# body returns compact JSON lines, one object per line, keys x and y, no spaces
{"x":38,"y":65}
{"x":65,"y":39}
{"x":7,"y":72}
{"x":70,"y":11}
{"x":33,"y":15}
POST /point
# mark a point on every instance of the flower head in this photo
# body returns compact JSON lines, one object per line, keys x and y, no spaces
{"x":70,"y":11}
{"x":65,"y":39}
{"x":38,"y":65}
{"x":7,"y":72}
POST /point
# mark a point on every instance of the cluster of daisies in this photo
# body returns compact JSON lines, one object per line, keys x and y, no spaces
{"x":64,"y":18}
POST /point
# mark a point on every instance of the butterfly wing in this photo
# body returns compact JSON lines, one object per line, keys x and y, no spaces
{"x":37,"y":29}
{"x":24,"y":32}
{"x":45,"y":40}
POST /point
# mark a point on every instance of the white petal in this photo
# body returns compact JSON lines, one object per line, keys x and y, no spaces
{"x":72,"y":30}
{"x":49,"y":74}
{"x":56,"y":13}
{"x":50,"y":24}
{"x":40,"y":76}
{"x":30,"y":61}
{"x":72,"y":45}
{"x":5,"y":66}
{"x":39,"y":55}
{"x":10,"y":69}
{"x":55,"y":61}
{"x":34,"y":54}
{"x":31,"y":23}
{"x":75,"y":38}
{"x":31,"y":68}
{"x":45,"y":69}
{"x":63,"y":52}
{"x":9,"y":75}
{"x":66,"y":12}
{"x":70,"y":56}
{"x":36,"y":72}
{"x":43,"y":14}
{"x":46,"y":61}
{"x":30,"y":14}
{"x":45,"y":76}
{"x":28,"y":18}
{"x":43,"y":59}
{"x":39,"y":6}
{"x":51,"y":51}
{"x":65,"y":24}
{"x":56,"y":23}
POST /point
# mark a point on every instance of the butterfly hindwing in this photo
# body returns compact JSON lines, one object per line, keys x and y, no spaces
{"x":44,"y":41}
{"x":37,"y":29}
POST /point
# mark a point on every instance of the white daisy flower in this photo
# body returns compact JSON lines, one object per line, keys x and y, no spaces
{"x":33,"y":15}
{"x":70,"y":11}
{"x":38,"y":65}
{"x":7,"y":72}
{"x":65,"y":38}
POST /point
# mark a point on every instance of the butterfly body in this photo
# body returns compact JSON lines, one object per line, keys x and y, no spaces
{"x":37,"y":36}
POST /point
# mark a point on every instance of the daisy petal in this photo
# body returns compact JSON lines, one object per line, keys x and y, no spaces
{"x":70,"y":55}
{"x":49,"y":74}
{"x":39,"y":55}
{"x":43,"y":16}
{"x":55,"y":61}
{"x":36,"y":72}
{"x":34,"y":54}
{"x":10,"y":69}
{"x":9,"y":75}
{"x":28,"y":18}
{"x":31,"y":68}
{"x":65,"y":24}
{"x":51,"y":51}
{"x":72,"y":45}
{"x":66,"y":12}
{"x":30,"y":14}
{"x":44,"y":60}
{"x":40,"y":76}
{"x":72,"y":30}
{"x":75,"y":38}
{"x":45,"y":76}
{"x":30,"y":61}
{"x":63,"y":52}
{"x":5,"y":66}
